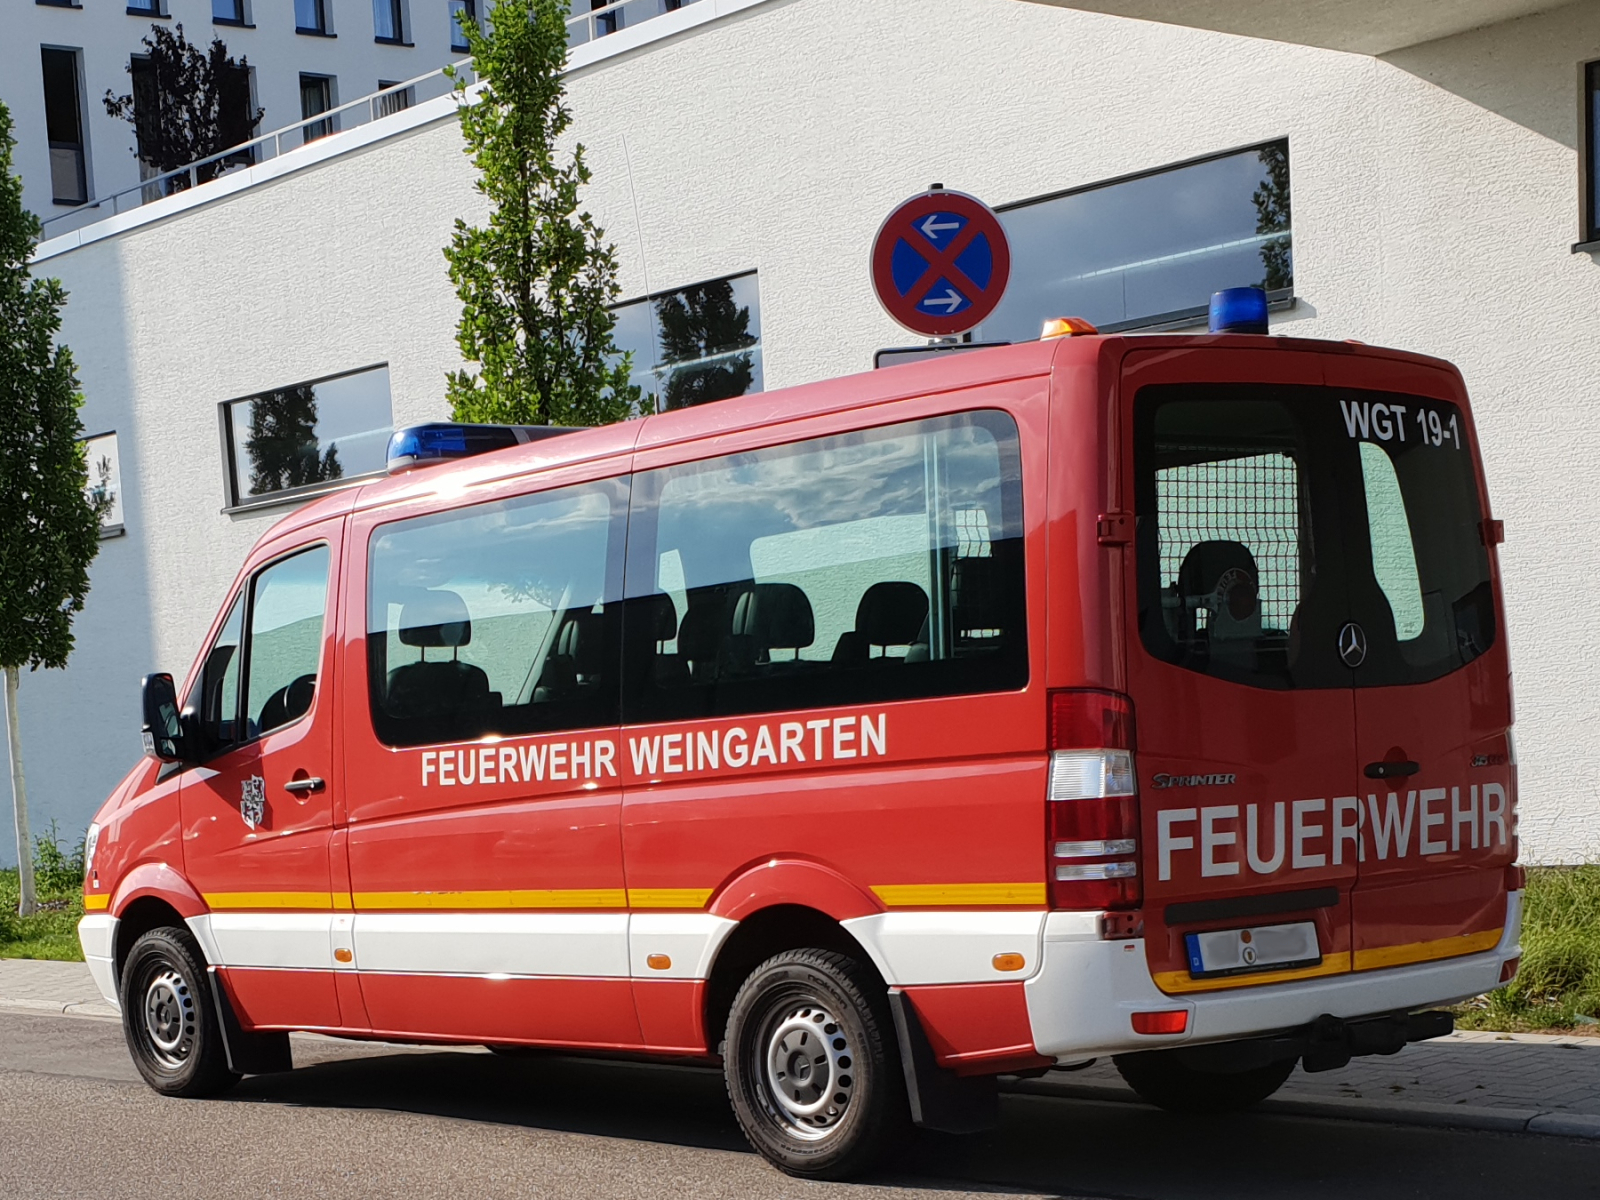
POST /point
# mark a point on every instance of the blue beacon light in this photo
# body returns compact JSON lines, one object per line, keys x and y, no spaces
{"x":442,"y":441}
{"x":1239,"y":310}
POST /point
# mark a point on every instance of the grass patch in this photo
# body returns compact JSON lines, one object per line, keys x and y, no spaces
{"x":52,"y":932}
{"x":1558,"y":987}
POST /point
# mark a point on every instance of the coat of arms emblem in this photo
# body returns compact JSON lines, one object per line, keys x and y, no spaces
{"x":253,"y":801}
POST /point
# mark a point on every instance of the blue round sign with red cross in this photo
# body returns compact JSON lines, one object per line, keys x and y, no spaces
{"x":940,"y":263}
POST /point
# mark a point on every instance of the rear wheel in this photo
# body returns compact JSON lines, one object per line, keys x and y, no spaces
{"x":169,"y":1019}
{"x":1160,"y":1077}
{"x":811,"y":1069}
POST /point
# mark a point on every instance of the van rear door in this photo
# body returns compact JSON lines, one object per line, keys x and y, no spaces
{"x":1245,"y":712}
{"x":1433,"y":697}
{"x":1321,"y":692}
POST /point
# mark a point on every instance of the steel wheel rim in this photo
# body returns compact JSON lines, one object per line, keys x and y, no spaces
{"x":805,"y":1064}
{"x":170,"y":1019}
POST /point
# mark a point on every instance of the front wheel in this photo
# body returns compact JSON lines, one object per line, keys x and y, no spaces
{"x":169,"y":1019}
{"x":811,"y":1068}
{"x":1163,"y":1079}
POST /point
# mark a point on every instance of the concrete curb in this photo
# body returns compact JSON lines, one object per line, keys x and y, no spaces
{"x":1440,"y":1116}
{"x":97,"y":1009}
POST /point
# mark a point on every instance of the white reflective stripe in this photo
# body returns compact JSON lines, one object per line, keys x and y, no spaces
{"x":201,"y":928}
{"x":266,"y":939}
{"x":479,"y":943}
{"x":690,"y":940}
{"x":948,"y":947}
{"x":104,"y":973}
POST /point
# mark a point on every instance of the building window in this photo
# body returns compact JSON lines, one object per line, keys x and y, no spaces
{"x":316,"y":96}
{"x":311,"y":16}
{"x":229,"y":12}
{"x":146,"y":8}
{"x":387,"y":102}
{"x":1149,"y":250}
{"x":694,"y":345}
{"x":63,"y":118}
{"x":105,"y":481}
{"x":59,"y":3}
{"x":1589,"y":156}
{"x":461,"y":10}
{"x":307,"y":438}
{"x":389,"y":21}
{"x":608,"y":16}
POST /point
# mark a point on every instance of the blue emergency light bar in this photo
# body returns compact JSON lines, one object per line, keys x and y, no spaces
{"x":1239,"y":310}
{"x":441,"y":441}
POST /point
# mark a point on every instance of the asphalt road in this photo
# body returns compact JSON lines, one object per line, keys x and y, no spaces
{"x":374,"y":1121}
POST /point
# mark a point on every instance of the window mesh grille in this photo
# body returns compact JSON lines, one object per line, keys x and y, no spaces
{"x":1253,"y":500}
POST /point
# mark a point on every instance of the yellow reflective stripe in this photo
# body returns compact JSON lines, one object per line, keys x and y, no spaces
{"x":952,"y":895}
{"x":668,"y":897}
{"x":1416,"y":952}
{"x":516,"y":899}
{"x":96,"y":902}
{"x":1174,"y":982}
{"x":248,"y":900}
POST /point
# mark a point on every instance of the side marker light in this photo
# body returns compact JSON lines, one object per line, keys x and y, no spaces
{"x":1009,"y":962}
{"x":343,"y":955}
{"x":1161,"y":1022}
{"x":658,"y":962}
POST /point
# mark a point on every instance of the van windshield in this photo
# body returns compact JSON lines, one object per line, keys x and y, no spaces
{"x":1272,"y":518}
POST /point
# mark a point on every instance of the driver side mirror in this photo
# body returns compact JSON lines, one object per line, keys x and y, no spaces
{"x":163,"y":730}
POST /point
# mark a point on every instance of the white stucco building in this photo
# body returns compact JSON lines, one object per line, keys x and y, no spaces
{"x":1433,"y":160}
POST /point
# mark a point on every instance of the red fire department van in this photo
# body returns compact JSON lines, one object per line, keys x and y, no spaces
{"x":1132,"y":696}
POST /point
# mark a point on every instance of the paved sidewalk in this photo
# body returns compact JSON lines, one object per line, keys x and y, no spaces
{"x":1507,"y":1082}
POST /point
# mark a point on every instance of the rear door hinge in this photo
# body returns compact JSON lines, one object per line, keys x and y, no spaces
{"x":1115,"y":528}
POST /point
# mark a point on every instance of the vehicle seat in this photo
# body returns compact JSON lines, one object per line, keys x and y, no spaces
{"x":889,"y":614}
{"x":1221,"y":578}
{"x":574,"y":662}
{"x":652,"y":621}
{"x":288,"y":703}
{"x":979,"y":612}
{"x":437,"y":619}
{"x":705,"y":635}
{"x":768,"y":617}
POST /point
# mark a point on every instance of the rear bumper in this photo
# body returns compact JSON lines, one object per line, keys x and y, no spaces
{"x":1081,"y":1001}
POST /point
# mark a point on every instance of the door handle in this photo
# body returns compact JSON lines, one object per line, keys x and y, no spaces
{"x":1391,"y":770}
{"x":314,"y":784}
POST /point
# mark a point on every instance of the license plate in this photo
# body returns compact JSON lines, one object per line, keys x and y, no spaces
{"x":1261,"y":948}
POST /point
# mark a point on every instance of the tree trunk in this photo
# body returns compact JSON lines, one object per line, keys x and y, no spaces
{"x":19,"y":800}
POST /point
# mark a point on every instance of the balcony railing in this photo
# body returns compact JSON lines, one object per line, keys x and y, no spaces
{"x":582,"y":28}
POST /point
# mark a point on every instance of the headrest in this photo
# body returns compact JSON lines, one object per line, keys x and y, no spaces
{"x":701,"y":634}
{"x":1220,"y":576}
{"x":435,"y":618}
{"x":657,"y":613}
{"x":890,"y":614}
{"x":775,"y":616}
{"x":580,"y":640}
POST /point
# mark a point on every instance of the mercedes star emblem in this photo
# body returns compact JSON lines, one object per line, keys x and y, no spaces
{"x":1352,"y":645}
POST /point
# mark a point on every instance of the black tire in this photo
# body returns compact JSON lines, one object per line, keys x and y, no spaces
{"x":169,"y":1018}
{"x":1164,"y":1080}
{"x":812,"y":1068}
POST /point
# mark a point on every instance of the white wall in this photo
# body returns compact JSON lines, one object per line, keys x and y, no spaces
{"x":777,"y":139}
{"x":107,"y":35}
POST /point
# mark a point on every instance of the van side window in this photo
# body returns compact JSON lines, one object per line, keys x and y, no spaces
{"x":287,"y":604}
{"x":871,"y":566}
{"x":216,"y":696}
{"x":500,"y":618}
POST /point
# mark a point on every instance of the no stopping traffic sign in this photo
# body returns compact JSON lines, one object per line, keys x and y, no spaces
{"x":940,"y":263}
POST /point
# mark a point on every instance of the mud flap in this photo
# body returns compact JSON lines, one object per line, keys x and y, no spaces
{"x":248,"y":1053}
{"x":940,"y":1099}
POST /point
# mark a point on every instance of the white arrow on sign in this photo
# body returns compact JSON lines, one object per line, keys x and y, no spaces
{"x":931,"y":227}
{"x":951,"y":300}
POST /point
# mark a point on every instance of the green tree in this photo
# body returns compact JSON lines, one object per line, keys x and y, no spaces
{"x":705,"y":330}
{"x":1271,"y":199}
{"x":535,"y":283}
{"x":49,"y":528}
{"x":186,"y":104}
{"x":283,"y":447}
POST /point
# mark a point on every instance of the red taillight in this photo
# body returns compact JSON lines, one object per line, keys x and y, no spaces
{"x":1161,"y":1022}
{"x":1090,"y":719}
{"x":1092,"y":822}
{"x":1508,"y":969}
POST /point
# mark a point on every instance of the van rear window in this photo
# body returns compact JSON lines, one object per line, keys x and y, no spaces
{"x":1270,"y":518}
